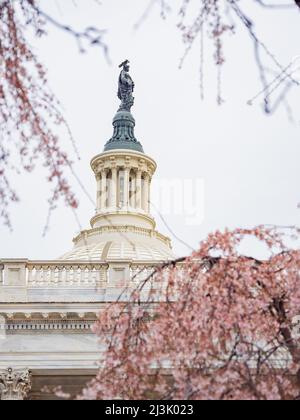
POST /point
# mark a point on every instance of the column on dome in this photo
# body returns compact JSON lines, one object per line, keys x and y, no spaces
{"x":114,"y":182}
{"x":120,"y":188}
{"x":126,"y":186}
{"x":108,"y":189}
{"x":132,"y":188}
{"x":103,"y":190}
{"x":98,"y":200}
{"x":139,"y":189}
{"x":146,"y":192}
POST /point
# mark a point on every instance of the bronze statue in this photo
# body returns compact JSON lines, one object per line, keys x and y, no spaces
{"x":126,"y":88}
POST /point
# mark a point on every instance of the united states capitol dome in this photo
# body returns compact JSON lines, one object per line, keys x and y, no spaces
{"x":122,"y":227}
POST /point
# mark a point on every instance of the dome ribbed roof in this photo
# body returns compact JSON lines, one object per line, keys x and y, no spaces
{"x":101,"y":251}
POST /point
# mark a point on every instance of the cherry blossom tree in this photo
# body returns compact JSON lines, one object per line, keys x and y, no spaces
{"x":216,"y":19}
{"x":218,"y":325}
{"x":27,"y":108}
{"x":30,"y":116}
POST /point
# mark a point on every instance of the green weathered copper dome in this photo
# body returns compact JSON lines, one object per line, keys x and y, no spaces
{"x":123,"y":136}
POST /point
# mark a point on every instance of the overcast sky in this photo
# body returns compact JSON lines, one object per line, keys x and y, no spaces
{"x":249,"y":162}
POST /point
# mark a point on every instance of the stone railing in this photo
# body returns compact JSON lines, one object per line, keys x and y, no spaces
{"x":25,"y":273}
{"x":66,"y":275}
{"x":67,"y":281}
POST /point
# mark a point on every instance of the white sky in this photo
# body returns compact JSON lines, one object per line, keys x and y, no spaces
{"x":249,"y":162}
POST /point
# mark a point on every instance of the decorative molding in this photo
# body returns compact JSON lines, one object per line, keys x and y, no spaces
{"x":49,"y":326}
{"x":14,"y":384}
{"x":89,"y":280}
{"x":84,"y":275}
{"x":123,"y":229}
{"x":120,"y":159}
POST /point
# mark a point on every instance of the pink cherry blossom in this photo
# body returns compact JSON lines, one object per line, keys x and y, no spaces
{"x":216,"y":328}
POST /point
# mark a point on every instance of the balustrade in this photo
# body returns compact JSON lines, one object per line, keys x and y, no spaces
{"x":63,"y":274}
{"x":67,"y":275}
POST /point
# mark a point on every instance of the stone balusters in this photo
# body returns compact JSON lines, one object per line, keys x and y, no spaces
{"x":66,"y":275}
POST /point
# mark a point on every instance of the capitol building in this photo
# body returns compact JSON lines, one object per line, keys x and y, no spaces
{"x":47,"y":308}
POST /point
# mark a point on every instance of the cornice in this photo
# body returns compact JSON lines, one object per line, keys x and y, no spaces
{"x":126,"y":158}
{"x":27,"y":322}
{"x":122,"y":229}
{"x":115,"y":227}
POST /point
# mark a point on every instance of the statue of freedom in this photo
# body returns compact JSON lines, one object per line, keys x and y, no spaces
{"x":126,"y":88}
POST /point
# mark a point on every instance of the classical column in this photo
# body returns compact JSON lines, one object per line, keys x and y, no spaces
{"x":103,"y":190}
{"x":146,"y":191}
{"x":108,"y":189}
{"x":126,"y":186}
{"x":149,"y":194}
{"x":14,"y":384}
{"x":98,"y":201}
{"x":133,"y":191}
{"x":139,"y":189}
{"x":114,"y":182}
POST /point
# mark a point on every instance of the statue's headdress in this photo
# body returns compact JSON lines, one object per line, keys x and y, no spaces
{"x":124,"y":63}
